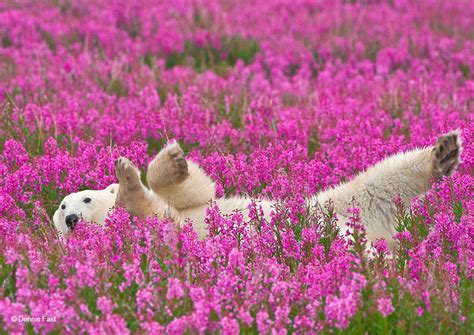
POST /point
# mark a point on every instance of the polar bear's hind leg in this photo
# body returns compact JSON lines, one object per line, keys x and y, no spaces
{"x":446,"y":154}
{"x":405,"y":175}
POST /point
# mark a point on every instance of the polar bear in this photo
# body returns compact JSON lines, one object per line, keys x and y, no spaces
{"x":90,"y":205}
{"x":180,"y":190}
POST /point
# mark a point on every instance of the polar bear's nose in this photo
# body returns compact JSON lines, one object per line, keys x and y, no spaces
{"x":71,"y":221}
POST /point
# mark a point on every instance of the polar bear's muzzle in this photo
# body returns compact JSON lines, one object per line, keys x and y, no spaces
{"x":71,"y":221}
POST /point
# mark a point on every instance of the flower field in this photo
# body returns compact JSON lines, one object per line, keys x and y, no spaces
{"x":277,"y":99}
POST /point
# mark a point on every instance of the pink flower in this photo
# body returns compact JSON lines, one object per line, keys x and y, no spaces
{"x":420,"y":311}
{"x":263,"y":322}
{"x":177,"y":326}
{"x":229,"y":326}
{"x":175,"y":289}
{"x":381,"y":246}
{"x":105,"y":305}
{"x":385,"y":306}
{"x":340,"y":310}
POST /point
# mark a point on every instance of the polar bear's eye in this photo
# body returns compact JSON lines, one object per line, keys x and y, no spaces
{"x":87,"y":200}
{"x":63,"y":206}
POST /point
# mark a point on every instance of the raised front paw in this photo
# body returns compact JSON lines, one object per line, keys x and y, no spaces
{"x":178,"y":166}
{"x":168,"y":168}
{"x":127,"y":173}
{"x":446,"y":154}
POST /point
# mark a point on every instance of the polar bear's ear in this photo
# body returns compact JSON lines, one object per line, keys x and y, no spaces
{"x":113,"y":188}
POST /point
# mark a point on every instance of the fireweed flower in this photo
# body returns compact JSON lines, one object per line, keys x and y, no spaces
{"x":381,"y":246}
{"x":339,"y":310}
{"x":384,"y":306}
{"x":175,"y":290}
{"x":105,"y":305}
{"x":229,"y":326}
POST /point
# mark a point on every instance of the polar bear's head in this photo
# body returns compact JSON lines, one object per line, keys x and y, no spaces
{"x":89,"y":205}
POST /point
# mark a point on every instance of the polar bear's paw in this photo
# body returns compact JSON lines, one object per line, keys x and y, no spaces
{"x":131,"y":194}
{"x":127,"y":174}
{"x":179,"y":165}
{"x":168,"y":168}
{"x":446,"y":154}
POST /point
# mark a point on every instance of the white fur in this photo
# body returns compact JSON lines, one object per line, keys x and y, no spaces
{"x":95,"y":211}
{"x":406,"y":175}
{"x":184,"y":191}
